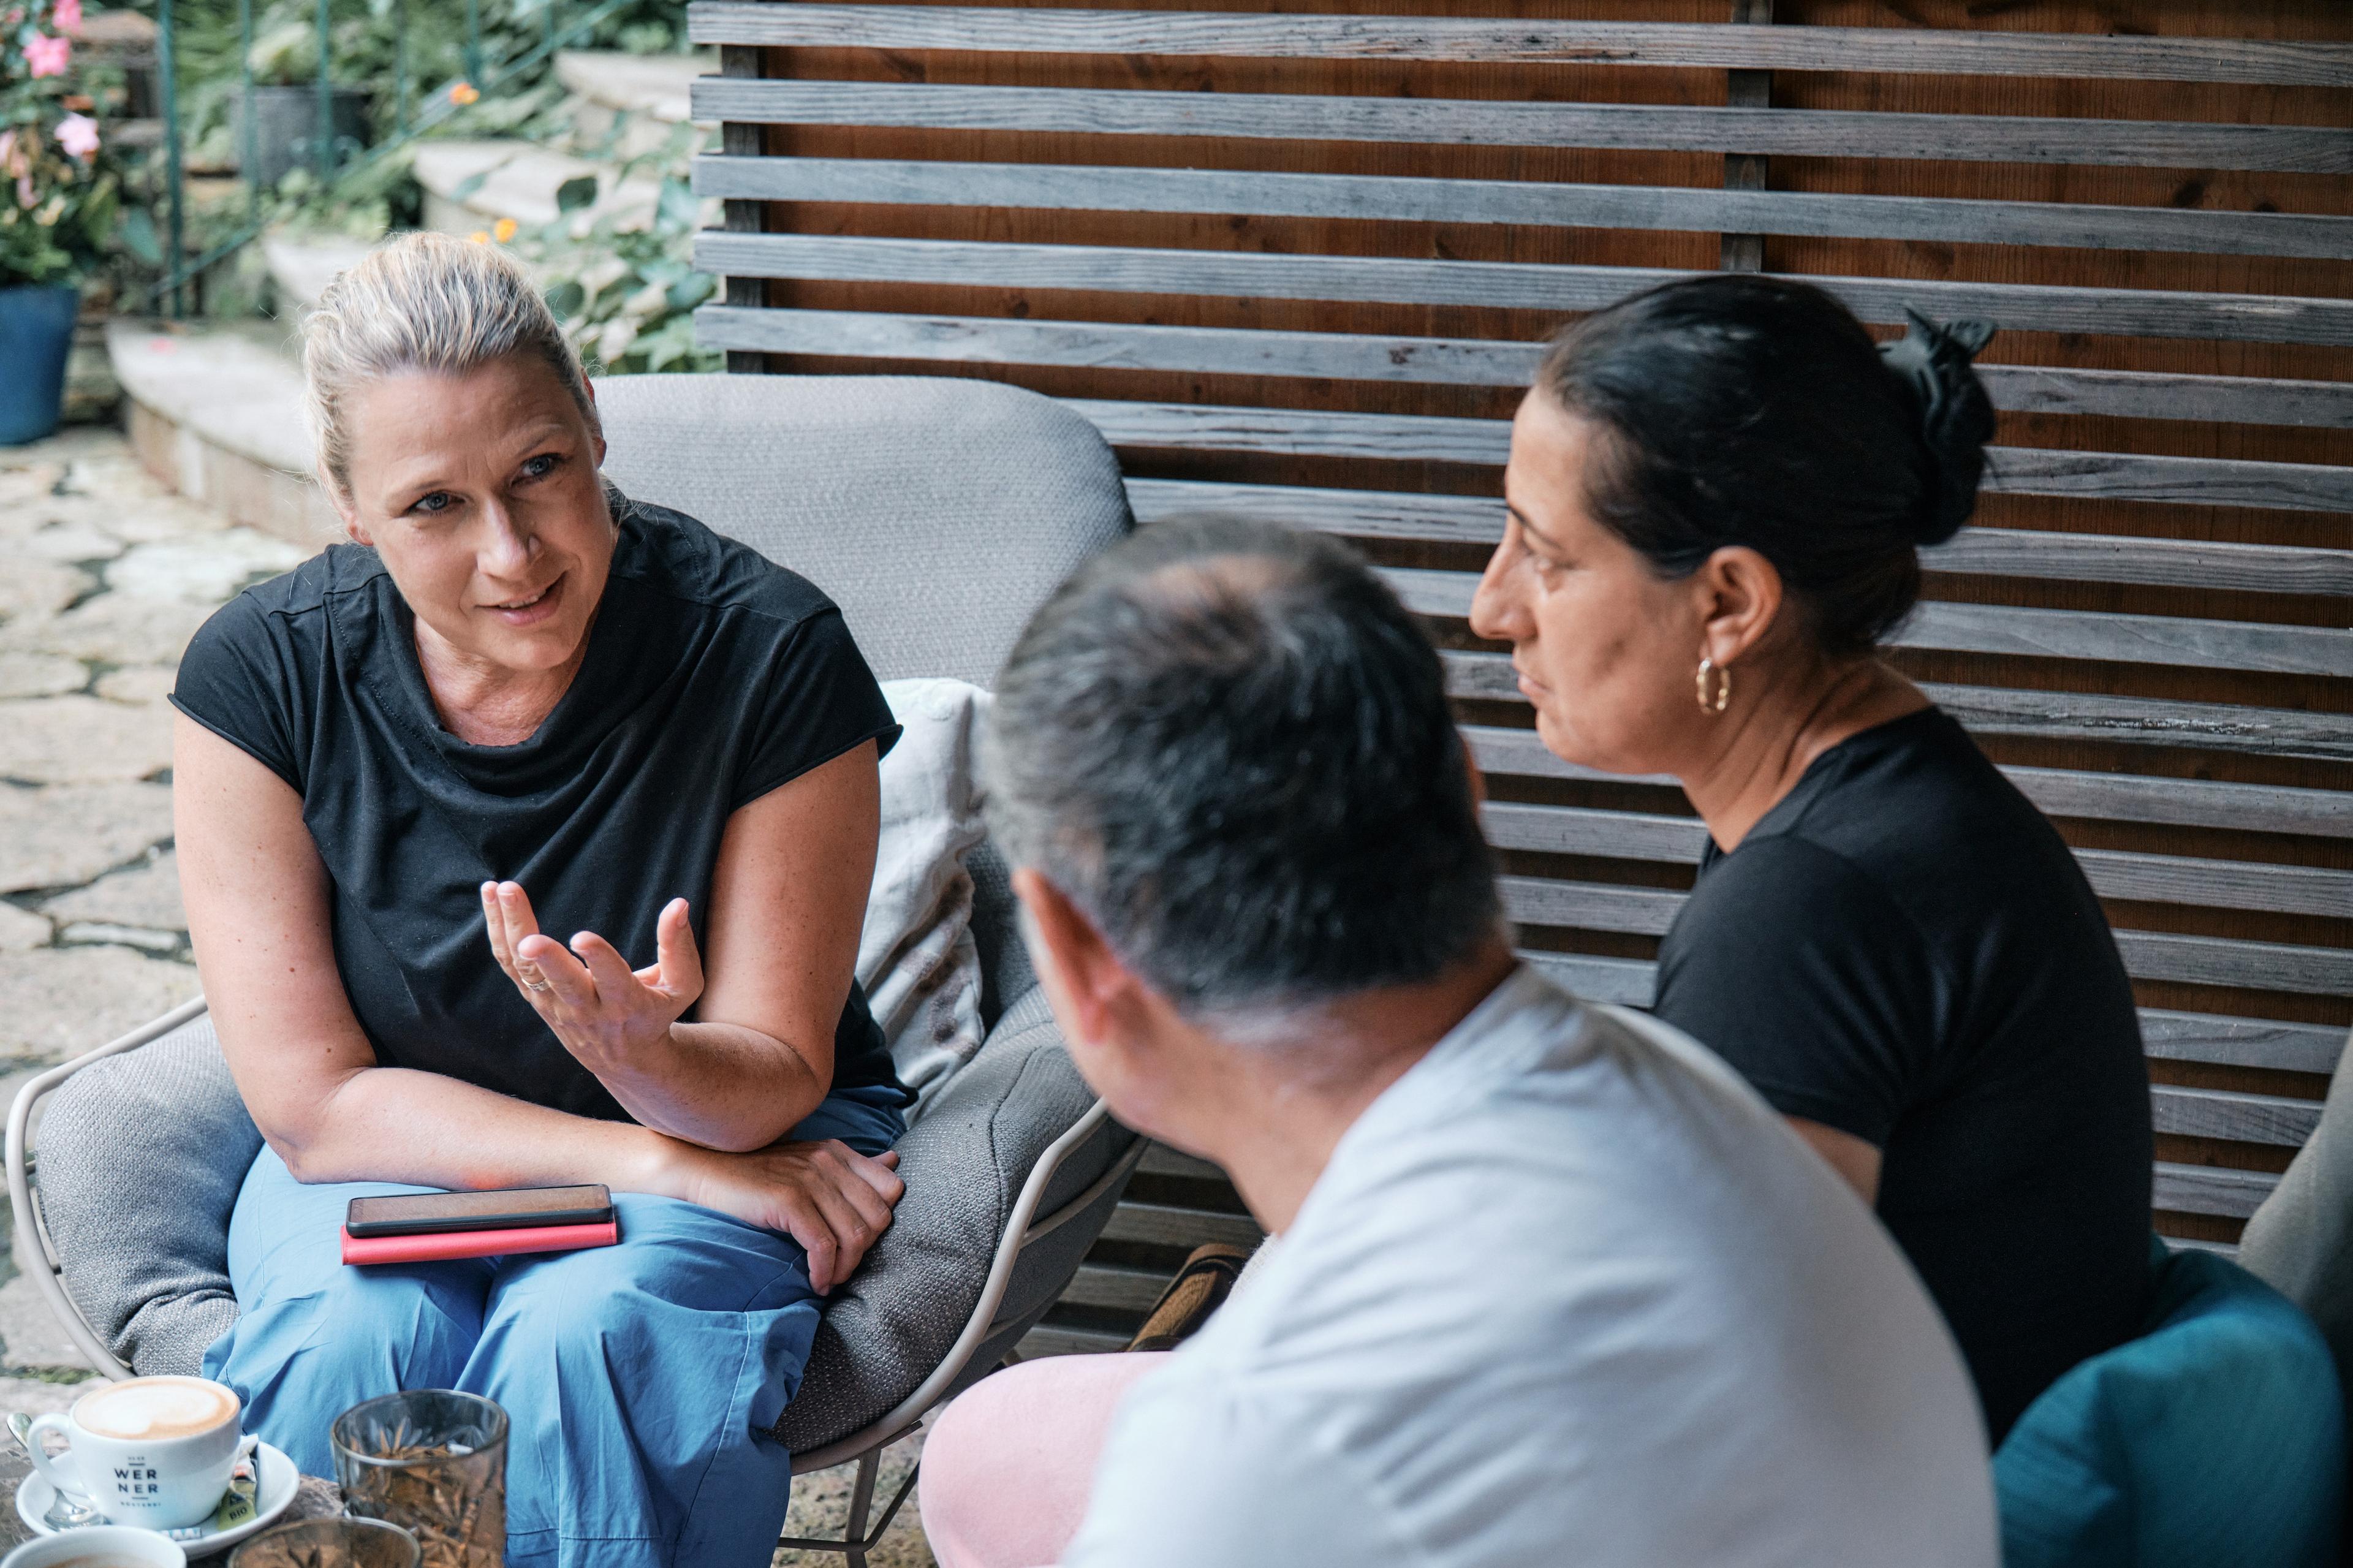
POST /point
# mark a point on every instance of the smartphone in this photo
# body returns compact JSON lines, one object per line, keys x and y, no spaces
{"x":508,"y":1208}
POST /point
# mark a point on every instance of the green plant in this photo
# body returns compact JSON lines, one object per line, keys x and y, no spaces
{"x":60,"y":188}
{"x":622,"y":279}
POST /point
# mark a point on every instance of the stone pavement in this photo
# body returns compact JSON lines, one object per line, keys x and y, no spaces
{"x":104,"y":575}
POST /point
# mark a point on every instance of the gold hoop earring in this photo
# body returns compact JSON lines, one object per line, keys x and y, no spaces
{"x":1723,"y":688}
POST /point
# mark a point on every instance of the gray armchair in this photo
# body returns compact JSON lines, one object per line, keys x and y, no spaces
{"x":938,"y":514}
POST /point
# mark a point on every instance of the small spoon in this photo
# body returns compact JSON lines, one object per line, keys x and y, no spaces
{"x":66,"y":1511}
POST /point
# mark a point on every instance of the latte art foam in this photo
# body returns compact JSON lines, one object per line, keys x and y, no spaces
{"x":155,"y":1407}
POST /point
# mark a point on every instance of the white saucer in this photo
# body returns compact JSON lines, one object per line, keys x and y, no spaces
{"x":279,"y":1481}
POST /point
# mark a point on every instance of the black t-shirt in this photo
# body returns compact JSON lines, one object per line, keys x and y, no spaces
{"x":1905,"y":950}
{"x":713,"y":676}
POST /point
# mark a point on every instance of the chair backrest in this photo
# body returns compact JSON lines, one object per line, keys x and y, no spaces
{"x":937,"y":513}
{"x":2215,"y":1440}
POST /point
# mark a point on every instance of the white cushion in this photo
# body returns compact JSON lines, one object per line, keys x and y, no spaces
{"x":916,"y":957}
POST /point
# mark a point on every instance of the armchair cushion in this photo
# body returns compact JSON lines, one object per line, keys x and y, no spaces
{"x":2214,"y":1440}
{"x":141,"y":1156}
{"x":965,"y":1163}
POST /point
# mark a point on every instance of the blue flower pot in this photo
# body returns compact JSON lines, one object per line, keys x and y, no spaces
{"x":36,"y":328}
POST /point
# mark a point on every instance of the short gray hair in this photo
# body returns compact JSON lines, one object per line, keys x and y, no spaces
{"x":424,"y":301}
{"x":1229,"y":746}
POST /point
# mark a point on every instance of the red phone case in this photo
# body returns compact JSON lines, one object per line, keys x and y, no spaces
{"x":435,"y":1245}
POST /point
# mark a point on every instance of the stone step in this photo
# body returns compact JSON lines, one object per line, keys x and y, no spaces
{"x":471,"y":186}
{"x":216,"y":412}
{"x":302,"y":265}
{"x":643,"y":98}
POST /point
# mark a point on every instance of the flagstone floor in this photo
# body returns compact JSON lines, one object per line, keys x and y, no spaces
{"x":104,"y":575}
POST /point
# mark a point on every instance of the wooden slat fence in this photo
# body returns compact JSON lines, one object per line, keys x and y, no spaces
{"x":1301,"y":263}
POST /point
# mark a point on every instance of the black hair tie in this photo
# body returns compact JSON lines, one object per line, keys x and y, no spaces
{"x":1956,"y":416}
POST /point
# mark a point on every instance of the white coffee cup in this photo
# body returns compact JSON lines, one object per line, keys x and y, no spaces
{"x":154,"y":1452}
{"x":98,"y":1544}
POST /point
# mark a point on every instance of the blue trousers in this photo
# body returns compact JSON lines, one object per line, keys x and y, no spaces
{"x":640,"y":1379}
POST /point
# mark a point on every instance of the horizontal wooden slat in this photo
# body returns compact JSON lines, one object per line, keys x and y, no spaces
{"x":1083,"y":187}
{"x":2210,"y":1189}
{"x":2239,"y":1118}
{"x":1589,"y":906}
{"x":2241,"y":1042}
{"x":2114,"y":874}
{"x":1060,"y":1339}
{"x":2254,"y":965}
{"x":2147,"y":955}
{"x":1620,"y":982}
{"x":2014,"y":470}
{"x":2128,"y":639}
{"x":2023,"y":470}
{"x":1809,"y":132}
{"x":2255,"y":808}
{"x":2049,"y":633}
{"x":1942,"y":52}
{"x":1116,"y":1286}
{"x":2022,"y":307}
{"x":1168,"y":1226}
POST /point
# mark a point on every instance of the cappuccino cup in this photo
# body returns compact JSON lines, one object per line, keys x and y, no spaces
{"x":155,"y":1452}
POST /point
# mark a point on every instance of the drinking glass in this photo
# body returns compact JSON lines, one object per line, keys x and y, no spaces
{"x":329,"y":1544}
{"x":433,"y":1461}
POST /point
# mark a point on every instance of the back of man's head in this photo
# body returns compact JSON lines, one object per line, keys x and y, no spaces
{"x":1229,"y":746}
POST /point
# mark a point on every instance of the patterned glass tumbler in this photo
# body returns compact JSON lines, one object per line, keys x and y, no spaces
{"x":433,"y":1461}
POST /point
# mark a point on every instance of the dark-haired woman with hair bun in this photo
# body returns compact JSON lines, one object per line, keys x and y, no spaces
{"x":1717,"y":491}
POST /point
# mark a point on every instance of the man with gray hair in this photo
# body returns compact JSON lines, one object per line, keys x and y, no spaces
{"x":1554,"y":1285}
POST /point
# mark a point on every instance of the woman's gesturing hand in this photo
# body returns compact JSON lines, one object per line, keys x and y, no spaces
{"x":828,"y":1197}
{"x":607,"y":1015}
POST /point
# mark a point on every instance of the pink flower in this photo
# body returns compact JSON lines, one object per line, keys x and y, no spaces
{"x":47,"y":56}
{"x":67,"y":16}
{"x":78,"y":134}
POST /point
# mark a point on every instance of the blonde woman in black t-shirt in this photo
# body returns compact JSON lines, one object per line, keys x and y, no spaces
{"x":1716,"y":493}
{"x":518,"y":701}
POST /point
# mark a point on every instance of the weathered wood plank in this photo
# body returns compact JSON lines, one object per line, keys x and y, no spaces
{"x":1169,"y":1226}
{"x":1401,"y":199}
{"x":2209,"y":1038}
{"x":1059,"y":1339}
{"x":2129,"y":639}
{"x":2241,"y":1042}
{"x":2004,"y":710}
{"x":1621,"y":982}
{"x":1589,"y":906}
{"x":2010,"y":629}
{"x":2241,"y":1118}
{"x":2147,"y":955}
{"x":2219,"y":961}
{"x":1478,"y":520}
{"x":2022,"y":307}
{"x":1811,"y":133}
{"x":2126,"y":797}
{"x":2115,"y":874}
{"x":2210,"y":1189}
{"x":1941,"y":52}
{"x":2148,"y":720}
{"x":1116,"y":1285}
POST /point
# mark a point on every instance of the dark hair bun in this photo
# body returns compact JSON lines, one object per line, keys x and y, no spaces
{"x":1956,"y":416}
{"x":1746,"y":409}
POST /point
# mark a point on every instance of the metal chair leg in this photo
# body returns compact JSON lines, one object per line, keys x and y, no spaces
{"x":861,"y":1498}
